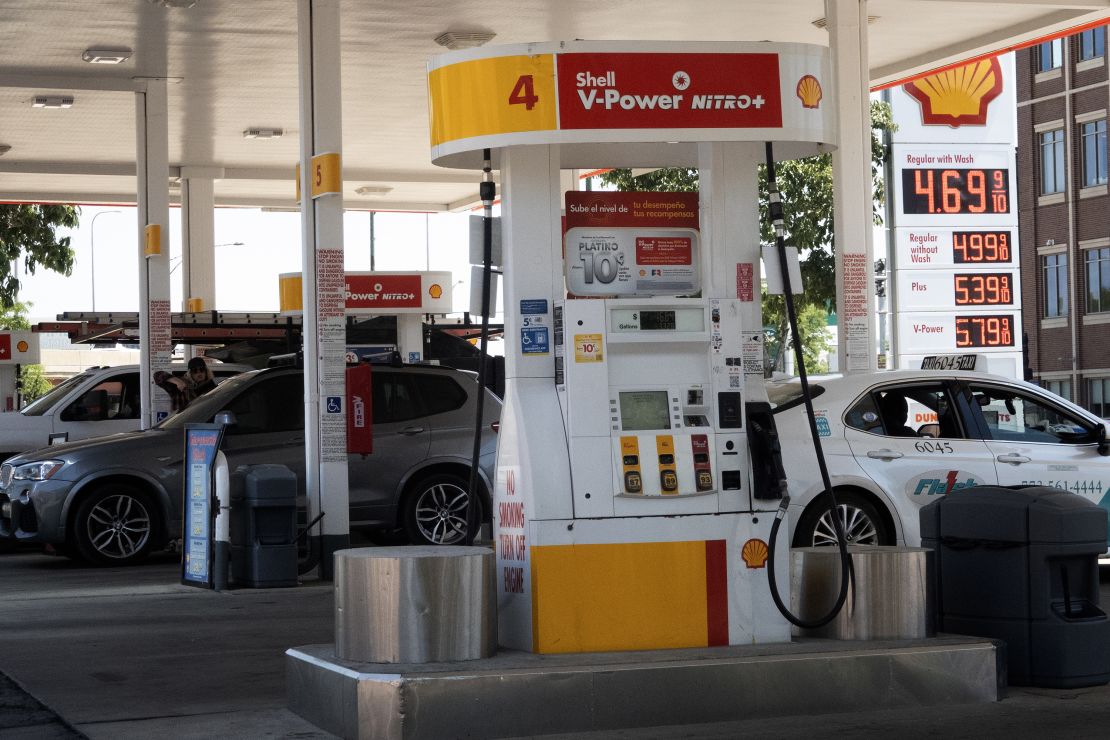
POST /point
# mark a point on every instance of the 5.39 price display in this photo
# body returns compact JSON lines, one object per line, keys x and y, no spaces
{"x":983,"y":289}
{"x":955,"y":191}
{"x":984,"y":331}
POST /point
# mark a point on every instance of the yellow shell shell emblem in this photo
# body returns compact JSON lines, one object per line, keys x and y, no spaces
{"x":22,"y":345}
{"x":754,"y":553}
{"x":436,"y":290}
{"x":809,"y":91}
{"x":958,"y":96}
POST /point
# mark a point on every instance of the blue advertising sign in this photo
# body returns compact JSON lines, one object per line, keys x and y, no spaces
{"x":531,"y":306}
{"x":202,"y":441}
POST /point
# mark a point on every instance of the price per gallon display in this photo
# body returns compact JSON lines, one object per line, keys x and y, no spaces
{"x":983,"y":289}
{"x":955,"y":191}
{"x":984,"y":331}
{"x":981,"y":247}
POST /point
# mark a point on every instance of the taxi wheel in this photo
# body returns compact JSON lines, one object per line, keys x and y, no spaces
{"x":114,"y":525}
{"x":863,"y":524}
{"x":435,"y":511}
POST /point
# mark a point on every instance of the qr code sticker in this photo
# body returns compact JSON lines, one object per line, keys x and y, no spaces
{"x":734,"y":382}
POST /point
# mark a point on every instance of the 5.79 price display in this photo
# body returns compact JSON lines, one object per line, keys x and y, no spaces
{"x":984,"y":331}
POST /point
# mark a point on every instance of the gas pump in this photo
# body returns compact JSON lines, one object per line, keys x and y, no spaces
{"x":629,"y":512}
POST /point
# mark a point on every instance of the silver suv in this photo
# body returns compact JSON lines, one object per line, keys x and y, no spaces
{"x":112,"y":500}
{"x":93,"y":403}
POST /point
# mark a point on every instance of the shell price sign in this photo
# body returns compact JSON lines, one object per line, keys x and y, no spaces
{"x":584,"y":92}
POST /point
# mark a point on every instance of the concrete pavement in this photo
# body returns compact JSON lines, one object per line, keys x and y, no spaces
{"x":129,"y":653}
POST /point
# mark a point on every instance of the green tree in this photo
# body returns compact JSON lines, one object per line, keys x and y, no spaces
{"x":29,"y":232}
{"x":813,"y":325}
{"x":807,"y":192}
{"x":32,"y":379}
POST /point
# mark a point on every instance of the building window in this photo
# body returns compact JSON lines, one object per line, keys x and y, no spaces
{"x":1055,"y":285}
{"x":1092,"y":43}
{"x":1050,"y":55}
{"x":1052,"y":162}
{"x":1061,"y":388}
{"x":1098,"y":390}
{"x":1098,"y":280}
{"x":1093,"y":135}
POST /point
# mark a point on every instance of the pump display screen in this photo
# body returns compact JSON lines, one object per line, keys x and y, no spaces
{"x":644,"y":410}
{"x":657,"y":321}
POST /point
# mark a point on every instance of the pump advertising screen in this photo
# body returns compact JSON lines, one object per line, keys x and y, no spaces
{"x":632,"y":244}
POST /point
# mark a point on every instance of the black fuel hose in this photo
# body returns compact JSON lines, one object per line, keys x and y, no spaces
{"x":774,"y":201}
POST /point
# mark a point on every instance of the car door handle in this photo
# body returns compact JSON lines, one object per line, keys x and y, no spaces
{"x":884,"y":454}
{"x":410,"y":431}
{"x":1013,"y":458}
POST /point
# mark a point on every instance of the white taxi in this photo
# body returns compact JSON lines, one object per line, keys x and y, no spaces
{"x":896,"y":440}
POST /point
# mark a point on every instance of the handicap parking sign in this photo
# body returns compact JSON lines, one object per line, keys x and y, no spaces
{"x":335,"y":404}
{"x":533,"y":340}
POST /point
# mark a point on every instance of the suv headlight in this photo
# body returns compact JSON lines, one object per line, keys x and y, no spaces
{"x":39,"y":470}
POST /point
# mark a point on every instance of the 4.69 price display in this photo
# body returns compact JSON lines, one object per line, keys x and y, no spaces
{"x":984,"y":331}
{"x":955,"y":191}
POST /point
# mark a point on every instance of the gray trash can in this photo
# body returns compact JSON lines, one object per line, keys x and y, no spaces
{"x":263,"y":526}
{"x":1021,"y":565}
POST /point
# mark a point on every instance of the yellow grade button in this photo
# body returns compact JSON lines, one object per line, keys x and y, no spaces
{"x":495,"y":95}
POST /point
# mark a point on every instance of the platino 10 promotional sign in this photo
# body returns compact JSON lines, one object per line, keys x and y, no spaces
{"x":955,"y":253}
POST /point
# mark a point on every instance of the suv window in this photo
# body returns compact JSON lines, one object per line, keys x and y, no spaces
{"x":439,"y":393}
{"x":1019,"y":417}
{"x":393,"y":398}
{"x":272,"y":405}
{"x":112,"y":398}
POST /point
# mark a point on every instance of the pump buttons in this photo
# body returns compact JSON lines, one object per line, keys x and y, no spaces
{"x":630,"y":463}
{"x":668,"y":475}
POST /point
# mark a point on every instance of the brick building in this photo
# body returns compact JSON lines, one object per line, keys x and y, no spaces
{"x":1063,"y":94}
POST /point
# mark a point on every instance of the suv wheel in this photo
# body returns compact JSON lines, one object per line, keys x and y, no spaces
{"x":114,"y":525}
{"x":435,"y":511}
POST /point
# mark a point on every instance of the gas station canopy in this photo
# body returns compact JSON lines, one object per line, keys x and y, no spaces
{"x":233,"y":84}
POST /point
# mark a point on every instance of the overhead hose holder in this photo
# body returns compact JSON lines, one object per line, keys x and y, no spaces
{"x":775,"y":213}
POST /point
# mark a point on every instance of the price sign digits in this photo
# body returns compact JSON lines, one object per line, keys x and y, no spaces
{"x":983,"y":289}
{"x":984,"y":331}
{"x":955,"y":191}
{"x":981,"y":247}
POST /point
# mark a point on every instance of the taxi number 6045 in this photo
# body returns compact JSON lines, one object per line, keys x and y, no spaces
{"x":939,"y":448}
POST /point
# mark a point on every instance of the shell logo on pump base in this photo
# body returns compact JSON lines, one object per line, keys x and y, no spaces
{"x":958,"y":97}
{"x":754,"y":553}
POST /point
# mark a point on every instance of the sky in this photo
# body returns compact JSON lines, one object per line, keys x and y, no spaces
{"x":247,"y":274}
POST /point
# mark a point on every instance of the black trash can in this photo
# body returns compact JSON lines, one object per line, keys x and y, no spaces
{"x":1021,"y":565}
{"x":263,"y":526}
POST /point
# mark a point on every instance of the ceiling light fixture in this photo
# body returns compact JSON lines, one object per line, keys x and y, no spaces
{"x":823,"y":22}
{"x":464,"y":39}
{"x":174,"y":3}
{"x":52,"y":101}
{"x":263,"y":133}
{"x":106,"y":56}
{"x":373,"y":190}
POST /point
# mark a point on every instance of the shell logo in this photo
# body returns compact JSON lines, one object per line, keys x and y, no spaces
{"x":957,"y":97}
{"x":22,"y":345}
{"x":809,"y":92}
{"x":435,"y":290}
{"x":754,"y":553}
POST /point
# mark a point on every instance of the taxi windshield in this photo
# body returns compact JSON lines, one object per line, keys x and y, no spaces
{"x":41,"y":405}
